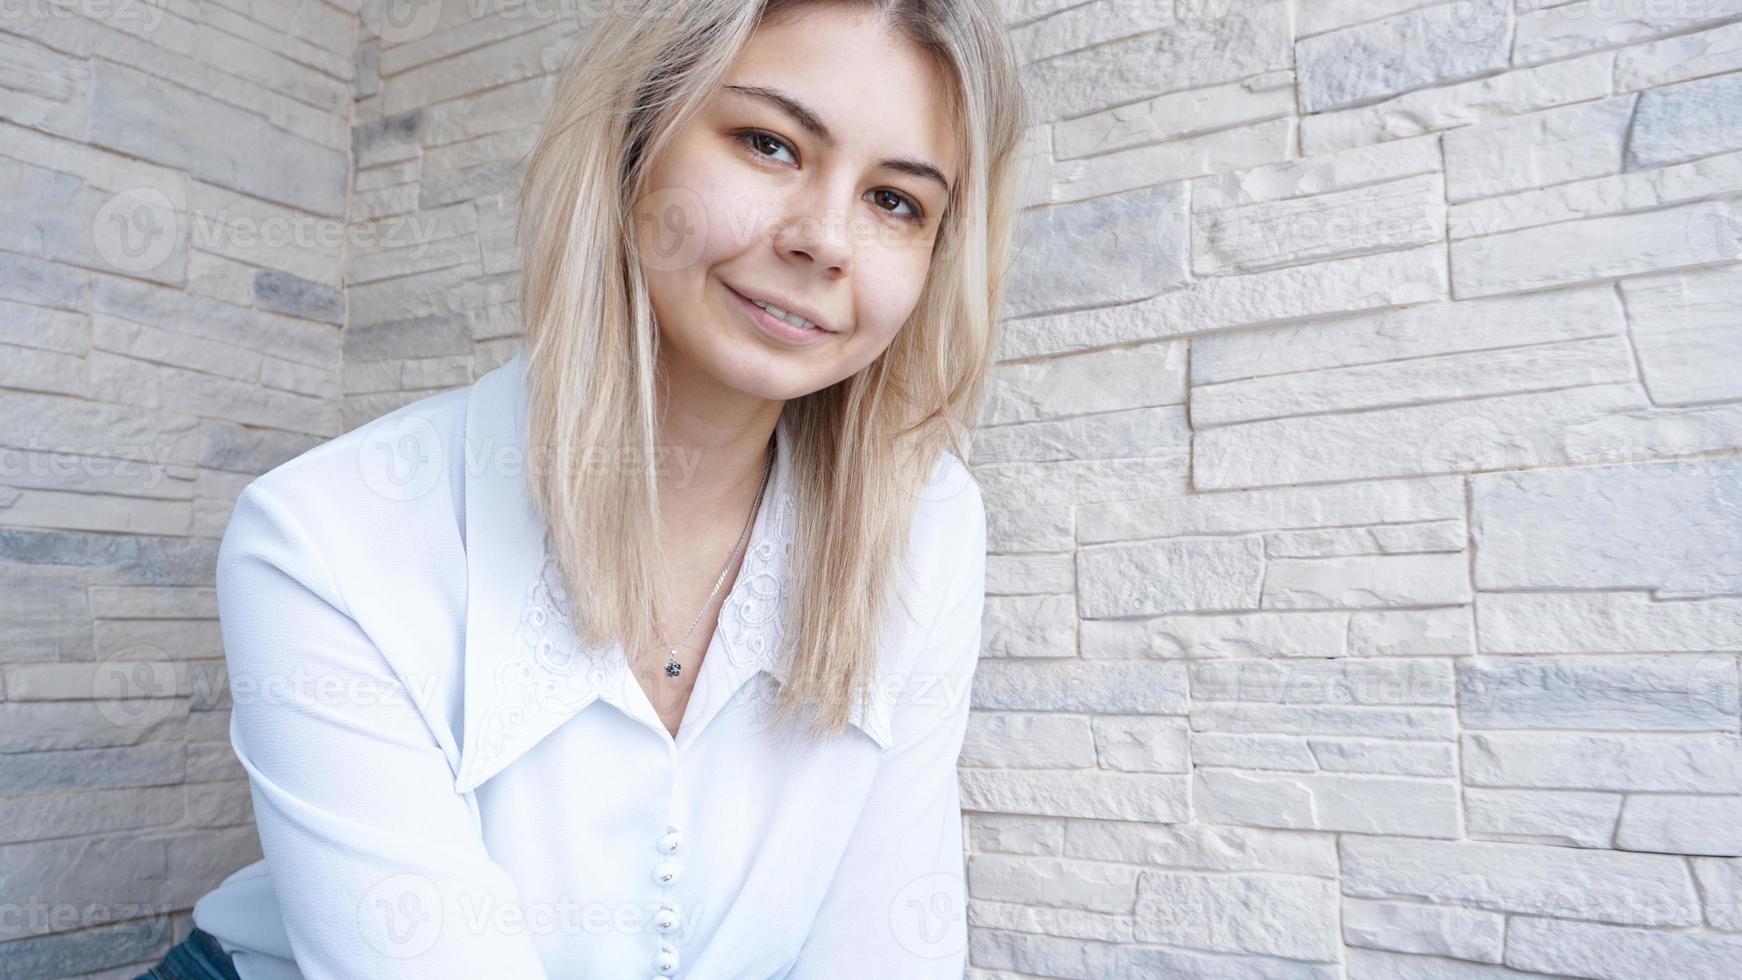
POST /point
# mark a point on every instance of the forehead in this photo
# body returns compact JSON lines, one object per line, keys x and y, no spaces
{"x":878,"y":93}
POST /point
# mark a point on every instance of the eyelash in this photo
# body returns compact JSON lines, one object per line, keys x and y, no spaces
{"x":748,"y":138}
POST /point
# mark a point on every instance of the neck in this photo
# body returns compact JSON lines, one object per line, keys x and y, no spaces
{"x":715,"y":446}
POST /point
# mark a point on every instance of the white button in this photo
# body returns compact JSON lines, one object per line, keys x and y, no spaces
{"x":666,"y":872}
{"x":670,"y":843}
{"x":665,"y":920}
{"x":665,"y":962}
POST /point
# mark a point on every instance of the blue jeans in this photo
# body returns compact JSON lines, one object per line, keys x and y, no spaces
{"x":198,"y":957}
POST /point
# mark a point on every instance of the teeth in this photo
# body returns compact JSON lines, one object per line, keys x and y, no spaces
{"x":792,"y":318}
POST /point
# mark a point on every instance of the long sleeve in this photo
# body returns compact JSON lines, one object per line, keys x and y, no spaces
{"x":896,"y":906}
{"x":378,"y":865}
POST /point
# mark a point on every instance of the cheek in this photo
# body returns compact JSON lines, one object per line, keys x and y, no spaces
{"x":888,"y":288}
{"x":735,"y":210}
{"x":696,"y":214}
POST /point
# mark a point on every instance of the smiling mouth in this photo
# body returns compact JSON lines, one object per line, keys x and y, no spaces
{"x":781,"y":314}
{"x":775,"y":326}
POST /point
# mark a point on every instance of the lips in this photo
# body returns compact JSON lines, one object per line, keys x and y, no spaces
{"x":814,"y":321}
{"x":774,"y":326}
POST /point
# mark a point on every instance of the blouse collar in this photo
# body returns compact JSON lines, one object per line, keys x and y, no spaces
{"x":525,"y":671}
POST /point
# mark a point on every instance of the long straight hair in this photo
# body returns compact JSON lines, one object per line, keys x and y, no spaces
{"x":861,"y":448}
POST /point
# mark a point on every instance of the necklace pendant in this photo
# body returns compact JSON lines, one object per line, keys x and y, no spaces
{"x":672,"y":667}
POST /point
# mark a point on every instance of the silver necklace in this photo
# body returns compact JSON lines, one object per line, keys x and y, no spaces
{"x":672,"y":667}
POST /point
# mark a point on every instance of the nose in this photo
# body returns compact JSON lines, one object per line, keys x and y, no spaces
{"x":817,"y":229}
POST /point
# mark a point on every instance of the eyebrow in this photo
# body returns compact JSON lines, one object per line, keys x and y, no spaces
{"x":815,"y":126}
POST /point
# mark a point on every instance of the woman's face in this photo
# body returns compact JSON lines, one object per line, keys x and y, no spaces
{"x":782,"y":189}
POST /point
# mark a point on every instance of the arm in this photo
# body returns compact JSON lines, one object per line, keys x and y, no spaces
{"x":379,"y":868}
{"x":897,"y":904}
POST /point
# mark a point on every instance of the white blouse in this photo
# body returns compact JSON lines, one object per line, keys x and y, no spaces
{"x":448,"y":786}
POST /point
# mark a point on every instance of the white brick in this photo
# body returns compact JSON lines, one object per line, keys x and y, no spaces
{"x":1348,"y":285}
{"x":1321,"y":173}
{"x":1345,"y":682}
{"x":1379,"y":539}
{"x":1687,"y":120}
{"x":1036,"y":741}
{"x":1202,"y":847}
{"x":1543,"y":148}
{"x":1141,"y":744}
{"x":1029,"y":626}
{"x":1373,"y":964}
{"x":1137,"y":686}
{"x":1465,"y":103}
{"x":1167,"y":117}
{"x":1088,"y":885}
{"x":1684,"y":327}
{"x":1559,"y":30}
{"x":1237,"y":236}
{"x":1485,"y":433}
{"x":1245,"y":42}
{"x":1391,"y":501}
{"x":1077,"y":793}
{"x":1594,"y":248}
{"x":1175,"y":160}
{"x":1169,"y":575}
{"x":1413,"y":49}
{"x":1646,"y":762}
{"x":1696,"y":180}
{"x":1604,"y":360}
{"x":1680,"y":58}
{"x":1643,"y":889}
{"x":1611,"y":953}
{"x":1721,"y":883}
{"x":1667,"y":693}
{"x":1406,"y":333}
{"x":1283,"y":753}
{"x":1384,"y":758}
{"x":1326,"y":801}
{"x":1082,"y":27}
{"x":1459,"y":933}
{"x":1682,"y":825}
{"x":1670,"y":526}
{"x":1236,"y":913}
{"x":1375,"y":722}
{"x":1543,"y":816}
{"x":1112,"y":249}
{"x":1605,"y":622}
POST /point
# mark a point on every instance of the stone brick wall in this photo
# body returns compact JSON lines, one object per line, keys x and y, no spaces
{"x":173,"y":200}
{"x":1366,"y":596}
{"x":1367,"y":516}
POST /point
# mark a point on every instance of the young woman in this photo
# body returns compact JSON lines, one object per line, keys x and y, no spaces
{"x":501,"y":712}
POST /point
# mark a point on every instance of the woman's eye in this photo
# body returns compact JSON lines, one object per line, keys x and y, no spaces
{"x":755,"y":138}
{"x":913,"y":214}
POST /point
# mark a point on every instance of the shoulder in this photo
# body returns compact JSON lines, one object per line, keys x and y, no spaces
{"x":378,"y":489}
{"x":949,"y":533}
{"x":951,"y":497}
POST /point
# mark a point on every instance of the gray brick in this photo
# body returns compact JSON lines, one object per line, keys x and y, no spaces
{"x":284,"y":293}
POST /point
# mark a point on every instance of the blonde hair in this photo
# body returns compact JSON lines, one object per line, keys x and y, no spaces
{"x":862,"y":448}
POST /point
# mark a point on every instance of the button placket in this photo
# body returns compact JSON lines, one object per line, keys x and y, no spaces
{"x":666,"y":873}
